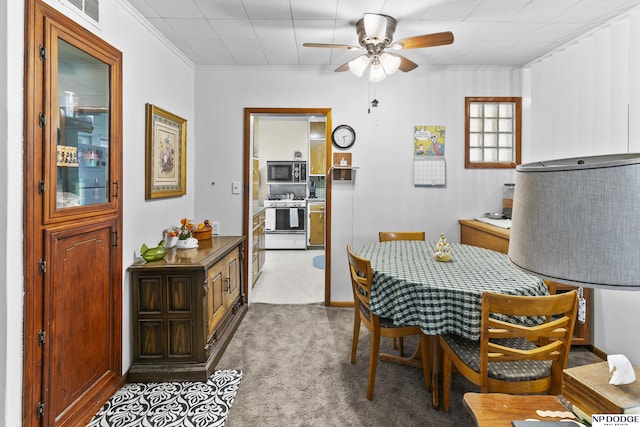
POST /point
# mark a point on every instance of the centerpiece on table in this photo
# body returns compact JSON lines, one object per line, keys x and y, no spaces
{"x":443,"y":250}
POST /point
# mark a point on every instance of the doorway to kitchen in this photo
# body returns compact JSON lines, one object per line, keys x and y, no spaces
{"x":287,"y":204}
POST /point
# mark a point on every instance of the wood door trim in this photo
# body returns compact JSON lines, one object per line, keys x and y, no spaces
{"x":247,"y":215}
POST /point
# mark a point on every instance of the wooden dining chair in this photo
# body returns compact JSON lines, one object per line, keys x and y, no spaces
{"x":361,"y":281}
{"x":510,"y":357}
{"x":387,"y":236}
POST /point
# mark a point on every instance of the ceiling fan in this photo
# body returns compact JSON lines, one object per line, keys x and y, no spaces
{"x":375,"y":35}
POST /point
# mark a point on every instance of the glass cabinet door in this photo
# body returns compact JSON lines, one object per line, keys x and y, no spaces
{"x":83,"y":126}
{"x":84,"y":144}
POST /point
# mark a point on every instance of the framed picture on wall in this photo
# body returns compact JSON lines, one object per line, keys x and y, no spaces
{"x":166,"y":154}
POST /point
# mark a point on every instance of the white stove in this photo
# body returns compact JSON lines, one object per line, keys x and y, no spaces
{"x":285,"y":225}
{"x":285,"y":203}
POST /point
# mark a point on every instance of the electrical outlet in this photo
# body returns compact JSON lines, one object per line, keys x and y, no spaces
{"x":215,"y":228}
{"x":235,"y":187}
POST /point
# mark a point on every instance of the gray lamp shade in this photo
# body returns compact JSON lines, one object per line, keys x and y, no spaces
{"x":577,"y":221}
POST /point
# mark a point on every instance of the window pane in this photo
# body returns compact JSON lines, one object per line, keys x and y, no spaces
{"x":475,"y":109}
{"x":505,"y":140}
{"x":490,"y":155}
{"x":475,"y":154}
{"x":506,"y":110}
{"x":491,"y":125}
{"x":505,"y":125}
{"x":475,"y":125}
{"x":490,"y":139}
{"x":475,"y":139}
{"x":506,"y":155}
{"x":83,"y":128}
{"x":491,"y":110}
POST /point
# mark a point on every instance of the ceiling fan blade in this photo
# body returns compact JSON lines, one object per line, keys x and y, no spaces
{"x":425,"y":40}
{"x":406,"y":64}
{"x":332,"y":46}
{"x":343,"y":67}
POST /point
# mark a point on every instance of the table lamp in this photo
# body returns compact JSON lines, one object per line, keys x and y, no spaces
{"x":577,"y":221}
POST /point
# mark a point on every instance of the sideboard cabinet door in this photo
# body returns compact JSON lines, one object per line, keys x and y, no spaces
{"x":232,"y":279}
{"x":215,"y":308}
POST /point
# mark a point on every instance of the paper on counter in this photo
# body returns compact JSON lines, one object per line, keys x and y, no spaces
{"x":503,"y":223}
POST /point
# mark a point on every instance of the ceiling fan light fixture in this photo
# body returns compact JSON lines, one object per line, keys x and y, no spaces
{"x":377,"y":73}
{"x":376,"y":28}
{"x":390,"y":63}
{"x":358,"y":65}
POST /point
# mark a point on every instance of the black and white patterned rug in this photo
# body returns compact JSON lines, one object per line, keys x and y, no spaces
{"x":171,"y":404}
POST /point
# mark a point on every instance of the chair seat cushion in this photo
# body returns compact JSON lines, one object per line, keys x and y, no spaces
{"x":522,"y":370}
{"x":385,"y":322}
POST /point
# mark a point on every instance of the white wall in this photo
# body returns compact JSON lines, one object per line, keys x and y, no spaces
{"x":582,"y":100}
{"x":11,"y":28}
{"x":153,"y":72}
{"x":383,"y":195}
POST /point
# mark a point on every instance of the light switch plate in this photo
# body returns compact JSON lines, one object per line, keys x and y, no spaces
{"x":235,"y":187}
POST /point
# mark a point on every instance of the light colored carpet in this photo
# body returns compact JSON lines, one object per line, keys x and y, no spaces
{"x":296,"y":372}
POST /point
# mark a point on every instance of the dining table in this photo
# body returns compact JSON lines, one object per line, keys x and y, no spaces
{"x":411,"y":287}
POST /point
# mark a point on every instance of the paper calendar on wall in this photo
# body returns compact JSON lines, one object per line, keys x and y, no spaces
{"x":429,"y":171}
{"x":429,"y":167}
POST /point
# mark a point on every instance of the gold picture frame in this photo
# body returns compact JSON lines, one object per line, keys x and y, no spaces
{"x":166,"y":154}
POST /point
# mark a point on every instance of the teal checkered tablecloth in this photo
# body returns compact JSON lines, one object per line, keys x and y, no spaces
{"x":412,"y":288}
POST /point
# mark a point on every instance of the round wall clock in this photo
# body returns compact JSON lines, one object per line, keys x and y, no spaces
{"x":343,"y":136}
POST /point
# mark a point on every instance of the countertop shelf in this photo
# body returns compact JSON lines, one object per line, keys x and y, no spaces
{"x":344,"y":167}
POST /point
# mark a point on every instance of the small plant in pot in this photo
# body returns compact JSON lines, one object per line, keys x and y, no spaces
{"x":185,"y":239}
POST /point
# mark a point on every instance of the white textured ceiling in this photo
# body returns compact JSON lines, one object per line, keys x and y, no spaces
{"x":271,"y":32}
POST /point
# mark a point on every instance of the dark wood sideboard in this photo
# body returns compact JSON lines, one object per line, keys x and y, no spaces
{"x":478,"y":233}
{"x":186,"y":309}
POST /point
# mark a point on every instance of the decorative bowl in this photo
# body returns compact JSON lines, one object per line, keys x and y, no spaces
{"x":203,"y":233}
{"x":494,"y":215}
{"x":189,"y":243}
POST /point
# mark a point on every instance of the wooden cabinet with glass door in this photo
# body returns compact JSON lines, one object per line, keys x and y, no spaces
{"x":73,"y":220}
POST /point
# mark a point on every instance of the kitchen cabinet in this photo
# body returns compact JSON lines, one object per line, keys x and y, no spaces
{"x":316,"y":223}
{"x":257,"y":245}
{"x":478,"y":233}
{"x":186,"y":309}
{"x":317,"y":148}
{"x":255,"y":196}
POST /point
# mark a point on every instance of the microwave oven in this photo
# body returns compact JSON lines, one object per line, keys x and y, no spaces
{"x":286,"y":172}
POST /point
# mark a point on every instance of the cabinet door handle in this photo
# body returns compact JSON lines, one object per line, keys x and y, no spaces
{"x":227,"y":284}
{"x":116,"y":185}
